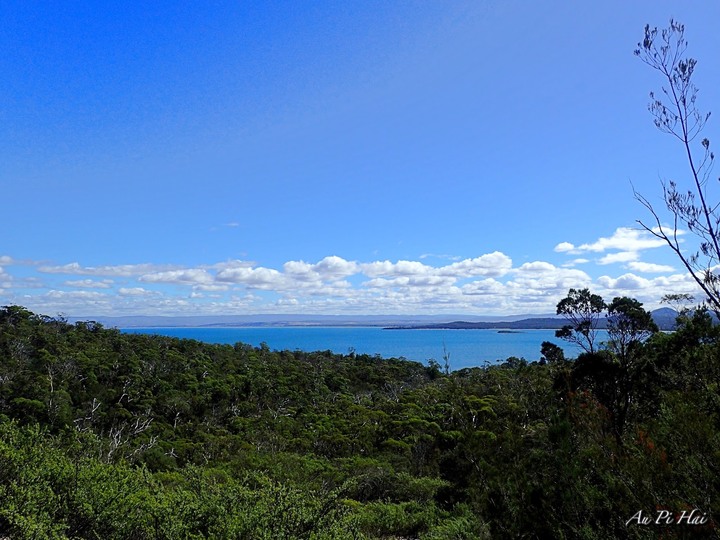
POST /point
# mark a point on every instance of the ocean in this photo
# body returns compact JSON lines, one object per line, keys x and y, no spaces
{"x":466,"y":348}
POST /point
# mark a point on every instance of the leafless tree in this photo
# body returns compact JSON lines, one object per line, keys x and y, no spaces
{"x":676,"y":114}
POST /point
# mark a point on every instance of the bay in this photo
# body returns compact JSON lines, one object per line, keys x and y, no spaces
{"x":466,"y":348}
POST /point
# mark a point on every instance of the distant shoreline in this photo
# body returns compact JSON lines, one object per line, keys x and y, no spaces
{"x":664,"y":317}
{"x":544,"y":323}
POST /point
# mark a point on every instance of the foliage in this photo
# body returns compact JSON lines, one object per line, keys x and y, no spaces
{"x":677,"y":114}
{"x":109,"y":435}
{"x":629,"y":325}
{"x":583,"y":310}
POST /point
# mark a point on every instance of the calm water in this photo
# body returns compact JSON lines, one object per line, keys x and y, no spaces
{"x":467,"y":348}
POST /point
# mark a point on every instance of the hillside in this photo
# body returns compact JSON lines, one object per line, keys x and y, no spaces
{"x":663,"y":317}
{"x":258,"y":320}
{"x":114,"y":436}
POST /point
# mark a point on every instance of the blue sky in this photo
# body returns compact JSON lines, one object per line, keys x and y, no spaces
{"x":334,"y":157}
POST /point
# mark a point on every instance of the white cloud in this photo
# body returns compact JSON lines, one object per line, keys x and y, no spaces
{"x":492,"y":264}
{"x":536,"y":267}
{"x":439,"y":256}
{"x":400,"y":268}
{"x":565,"y":247}
{"x":535,"y":287}
{"x":329,"y":268}
{"x":123,"y":270}
{"x":70,"y":268}
{"x":21,"y":282}
{"x":410,"y":281}
{"x":77,"y":303}
{"x":575,"y":262}
{"x":486,"y":284}
{"x":211,"y":288}
{"x":544,"y":278}
{"x":484,"y":287}
{"x":627,"y":243}
{"x":82,"y":295}
{"x":336,"y":288}
{"x":135,"y":291}
{"x":90,"y":284}
{"x":620,"y":256}
{"x":626,"y":282}
{"x":259,"y":278}
{"x":624,"y":246}
{"x":186,"y":276}
{"x":624,"y":239}
{"x":644,"y":289}
{"x":5,"y":279}
{"x":236,"y":263}
{"x":650,"y":268}
{"x":336,"y":267}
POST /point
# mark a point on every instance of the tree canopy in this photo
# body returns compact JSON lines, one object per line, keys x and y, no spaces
{"x":692,"y":205}
{"x":112,"y":435}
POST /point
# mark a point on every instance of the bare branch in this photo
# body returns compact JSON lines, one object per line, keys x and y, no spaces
{"x":664,"y":51}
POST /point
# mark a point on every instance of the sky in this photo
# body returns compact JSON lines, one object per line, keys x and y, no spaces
{"x":405,"y":157}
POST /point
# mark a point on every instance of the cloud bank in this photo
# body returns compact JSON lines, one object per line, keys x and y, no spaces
{"x":489,"y":284}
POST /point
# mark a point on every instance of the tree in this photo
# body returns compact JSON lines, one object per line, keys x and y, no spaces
{"x":679,"y":303}
{"x":613,"y":372}
{"x":583,"y":311}
{"x":676,"y":114}
{"x":551,"y":353}
{"x":628,"y":326}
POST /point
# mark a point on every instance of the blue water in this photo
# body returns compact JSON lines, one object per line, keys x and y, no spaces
{"x":467,"y":348}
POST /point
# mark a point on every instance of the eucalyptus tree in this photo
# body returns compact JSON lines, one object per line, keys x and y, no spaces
{"x":583,"y":311}
{"x":691,"y":204}
{"x":613,"y":370}
{"x":628,"y":326}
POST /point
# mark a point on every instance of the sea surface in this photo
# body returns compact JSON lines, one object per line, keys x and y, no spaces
{"x":466,"y":348}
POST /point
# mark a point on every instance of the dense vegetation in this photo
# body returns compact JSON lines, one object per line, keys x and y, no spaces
{"x":108,"y":435}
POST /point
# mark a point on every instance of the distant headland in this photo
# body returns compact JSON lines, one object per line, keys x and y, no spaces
{"x":664,"y":318}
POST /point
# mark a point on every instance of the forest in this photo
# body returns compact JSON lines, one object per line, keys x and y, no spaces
{"x":106,"y":435}
{"x":112,"y":435}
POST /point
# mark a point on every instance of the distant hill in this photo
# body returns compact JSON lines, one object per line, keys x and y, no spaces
{"x":540,"y":323}
{"x":663,"y":317}
{"x":259,"y":320}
